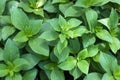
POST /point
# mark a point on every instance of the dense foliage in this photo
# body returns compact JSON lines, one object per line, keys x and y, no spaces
{"x":59,"y":40}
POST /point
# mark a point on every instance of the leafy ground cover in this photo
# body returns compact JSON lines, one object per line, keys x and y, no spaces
{"x":59,"y":40}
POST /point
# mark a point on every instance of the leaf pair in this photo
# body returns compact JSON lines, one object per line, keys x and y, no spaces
{"x":27,"y":27}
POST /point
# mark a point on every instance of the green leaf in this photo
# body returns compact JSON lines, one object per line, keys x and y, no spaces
{"x":25,"y":7}
{"x":108,"y":76}
{"x":61,"y":46}
{"x":3,"y":70}
{"x":74,"y":45}
{"x":63,"y":55}
{"x":49,"y":7}
{"x":32,"y":59}
{"x":2,"y":6}
{"x":20,"y":37}
{"x":92,"y":50}
{"x":68,"y":64}
{"x":105,"y":22}
{"x":30,"y":75}
{"x":83,"y":65}
{"x":76,"y":73}
{"x":115,"y":45}
{"x":1,"y":54}
{"x":11,"y":51}
{"x":86,"y":3}
{"x":116,"y":72}
{"x":104,"y":35}
{"x":73,"y":22}
{"x":58,"y":1}
{"x":7,"y":31}
{"x":19,"y":18}
{"x":39,"y":46}
{"x":20,"y":64}
{"x":49,"y":35}
{"x":82,"y":54}
{"x":39,"y":12}
{"x":106,"y":60}
{"x":62,"y":22}
{"x":33,"y":28}
{"x":113,"y":19}
{"x":17,"y":76}
{"x":50,"y":66}
{"x":88,"y":39}
{"x":79,"y":31}
{"x":93,"y":76}
{"x":73,"y":11}
{"x":57,"y":74}
{"x":55,"y":25}
{"x":91,"y":17}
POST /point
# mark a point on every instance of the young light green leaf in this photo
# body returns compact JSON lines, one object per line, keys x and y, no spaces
{"x":91,"y":17}
{"x":58,"y":1}
{"x":20,"y":64}
{"x":57,"y":74}
{"x":68,"y":64}
{"x":76,"y":73}
{"x":82,"y":54}
{"x":115,"y":45}
{"x":105,"y":22}
{"x":11,"y":51}
{"x":79,"y":31}
{"x":88,"y":40}
{"x":20,"y":37}
{"x":2,"y":6}
{"x":83,"y":65}
{"x":17,"y":76}
{"x":7,"y":31}
{"x":19,"y":18}
{"x":39,"y":46}
{"x":49,"y":35}
{"x":93,"y":76}
{"x":30,"y":75}
{"x":104,"y":35}
{"x":3,"y":70}
{"x":39,"y":12}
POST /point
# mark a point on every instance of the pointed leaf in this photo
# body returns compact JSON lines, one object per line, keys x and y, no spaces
{"x":68,"y":64}
{"x":83,"y":65}
{"x":19,"y":18}
{"x":11,"y":51}
{"x":39,"y":46}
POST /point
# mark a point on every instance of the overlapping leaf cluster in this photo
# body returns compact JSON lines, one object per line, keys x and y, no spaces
{"x":59,"y":40}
